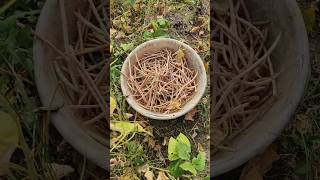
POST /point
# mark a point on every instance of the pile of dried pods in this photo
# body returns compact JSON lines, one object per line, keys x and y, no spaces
{"x":244,"y":76}
{"x":162,"y":81}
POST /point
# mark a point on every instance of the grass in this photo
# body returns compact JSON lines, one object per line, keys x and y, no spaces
{"x":134,"y":22}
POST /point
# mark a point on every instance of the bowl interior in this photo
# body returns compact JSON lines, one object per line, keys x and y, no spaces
{"x":194,"y":61}
{"x":291,"y":59}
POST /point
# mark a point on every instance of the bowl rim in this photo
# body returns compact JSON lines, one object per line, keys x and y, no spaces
{"x":188,"y":106}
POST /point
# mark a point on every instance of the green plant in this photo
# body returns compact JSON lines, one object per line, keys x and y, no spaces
{"x":179,"y":150}
{"x":159,"y":29}
{"x":135,"y":153}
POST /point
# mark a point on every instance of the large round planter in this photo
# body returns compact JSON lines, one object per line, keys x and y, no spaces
{"x":291,"y":58}
{"x":49,"y":27}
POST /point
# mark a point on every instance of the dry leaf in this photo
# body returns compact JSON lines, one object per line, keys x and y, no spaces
{"x":260,"y":165}
{"x":165,"y":141}
{"x":128,"y":175}
{"x":195,"y":29}
{"x":143,"y":169}
{"x":149,"y":175}
{"x":162,"y":176}
{"x":113,"y":162}
{"x":61,"y":170}
{"x":151,"y":142}
{"x":112,"y":31}
{"x":128,"y":115}
{"x":120,"y":35}
{"x":174,"y":105}
{"x":157,"y":147}
{"x":302,"y":124}
{"x":200,"y":148}
{"x":194,"y":134}
{"x":127,"y":29}
{"x":180,"y":55}
{"x":190,"y":115}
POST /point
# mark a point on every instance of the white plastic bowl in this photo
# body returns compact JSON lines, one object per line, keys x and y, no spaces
{"x":194,"y":61}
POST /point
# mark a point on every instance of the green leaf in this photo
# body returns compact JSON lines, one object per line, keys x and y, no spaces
{"x":174,"y":168}
{"x":187,"y":166}
{"x":147,"y":35}
{"x":127,"y":47}
{"x":9,"y":139}
{"x":172,"y":149}
{"x":200,"y":161}
{"x":160,"y":33}
{"x":183,"y":151}
{"x":135,"y":153}
{"x":163,"y":23}
{"x":182,"y":138}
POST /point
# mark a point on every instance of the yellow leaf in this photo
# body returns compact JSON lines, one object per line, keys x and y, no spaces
{"x":200,"y":148}
{"x":309,"y":16}
{"x":162,"y":176}
{"x":149,"y":175}
{"x":113,"y":105}
{"x":180,"y":55}
{"x":195,"y":29}
{"x":9,"y":139}
{"x":125,"y":128}
{"x":206,"y":66}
